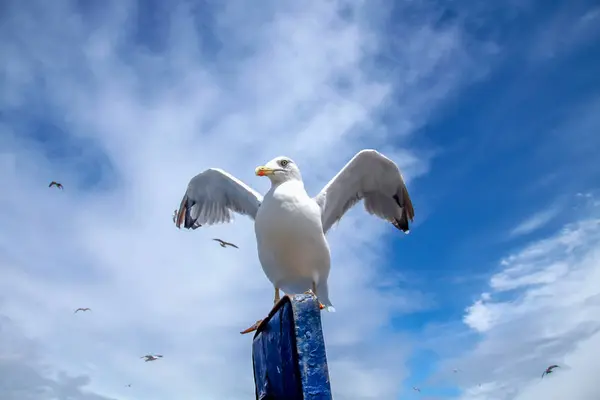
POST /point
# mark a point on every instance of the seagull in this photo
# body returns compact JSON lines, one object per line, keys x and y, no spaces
{"x":225,"y":244}
{"x":455,"y":370}
{"x":416,"y":389}
{"x":289,"y":225}
{"x":549,"y":370}
{"x":54,"y":183}
{"x":151,"y":357}
{"x":128,"y":385}
{"x":83,"y":309}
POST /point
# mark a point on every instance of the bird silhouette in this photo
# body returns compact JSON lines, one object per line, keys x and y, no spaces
{"x":416,"y":389}
{"x":54,"y":183}
{"x":83,"y":309}
{"x":225,"y":244}
{"x":549,"y":370}
{"x":151,"y":357}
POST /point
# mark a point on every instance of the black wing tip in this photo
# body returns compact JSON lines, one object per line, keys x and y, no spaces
{"x":402,"y":223}
{"x":183,"y":215}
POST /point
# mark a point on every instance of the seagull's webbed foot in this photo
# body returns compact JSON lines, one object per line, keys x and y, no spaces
{"x":252,"y":328}
{"x":312,"y":292}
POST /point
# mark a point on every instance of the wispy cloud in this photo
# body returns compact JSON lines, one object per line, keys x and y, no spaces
{"x":549,"y":316}
{"x":124,"y":105}
{"x":572,"y":28}
{"x":535,"y":222}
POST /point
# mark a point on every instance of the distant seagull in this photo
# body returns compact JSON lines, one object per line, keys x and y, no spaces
{"x":549,"y":370}
{"x":54,"y":183}
{"x":455,"y":370}
{"x":151,"y":357}
{"x":83,"y":309}
{"x":416,"y":389}
{"x":225,"y":244}
{"x":129,"y":385}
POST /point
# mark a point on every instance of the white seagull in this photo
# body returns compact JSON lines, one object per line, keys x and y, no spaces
{"x":290,"y":226}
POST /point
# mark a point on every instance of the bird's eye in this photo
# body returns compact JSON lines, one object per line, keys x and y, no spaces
{"x":283,"y":163}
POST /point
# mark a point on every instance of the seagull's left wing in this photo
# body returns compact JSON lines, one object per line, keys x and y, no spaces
{"x":371,"y":176}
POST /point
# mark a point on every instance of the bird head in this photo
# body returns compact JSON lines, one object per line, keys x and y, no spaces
{"x":279,"y":169}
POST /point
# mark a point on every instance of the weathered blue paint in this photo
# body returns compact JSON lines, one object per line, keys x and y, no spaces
{"x":288,"y":352}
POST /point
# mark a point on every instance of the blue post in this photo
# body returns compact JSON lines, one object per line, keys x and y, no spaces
{"x":288,"y":352}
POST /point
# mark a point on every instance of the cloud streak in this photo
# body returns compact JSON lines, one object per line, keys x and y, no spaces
{"x":544,"y":299}
{"x":535,"y":222}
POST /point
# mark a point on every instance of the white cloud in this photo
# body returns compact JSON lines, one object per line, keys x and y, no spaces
{"x":535,"y":222}
{"x":132,"y":124}
{"x":545,"y":311}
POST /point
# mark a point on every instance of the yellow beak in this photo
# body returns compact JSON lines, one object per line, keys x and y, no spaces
{"x":263,"y":171}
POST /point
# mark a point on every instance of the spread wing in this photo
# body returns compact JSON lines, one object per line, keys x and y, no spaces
{"x":211,"y":198}
{"x":371,"y":176}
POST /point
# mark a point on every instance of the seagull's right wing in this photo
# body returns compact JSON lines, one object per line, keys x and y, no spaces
{"x":212,"y":196}
{"x":371,"y":176}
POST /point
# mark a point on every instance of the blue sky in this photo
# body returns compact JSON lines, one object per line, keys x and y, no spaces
{"x":491,"y":110}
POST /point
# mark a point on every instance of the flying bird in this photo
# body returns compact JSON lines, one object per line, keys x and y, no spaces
{"x":289,"y":225}
{"x":128,"y":385}
{"x":225,"y":244}
{"x":549,"y":370}
{"x":54,"y":183}
{"x":151,"y":357}
{"x":83,"y":309}
{"x":416,"y":389}
{"x":455,"y":370}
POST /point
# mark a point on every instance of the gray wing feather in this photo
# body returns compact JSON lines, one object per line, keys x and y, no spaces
{"x":213,"y":196}
{"x":374,"y":178}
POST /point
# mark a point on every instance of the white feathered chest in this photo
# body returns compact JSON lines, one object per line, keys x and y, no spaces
{"x":289,"y":233}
